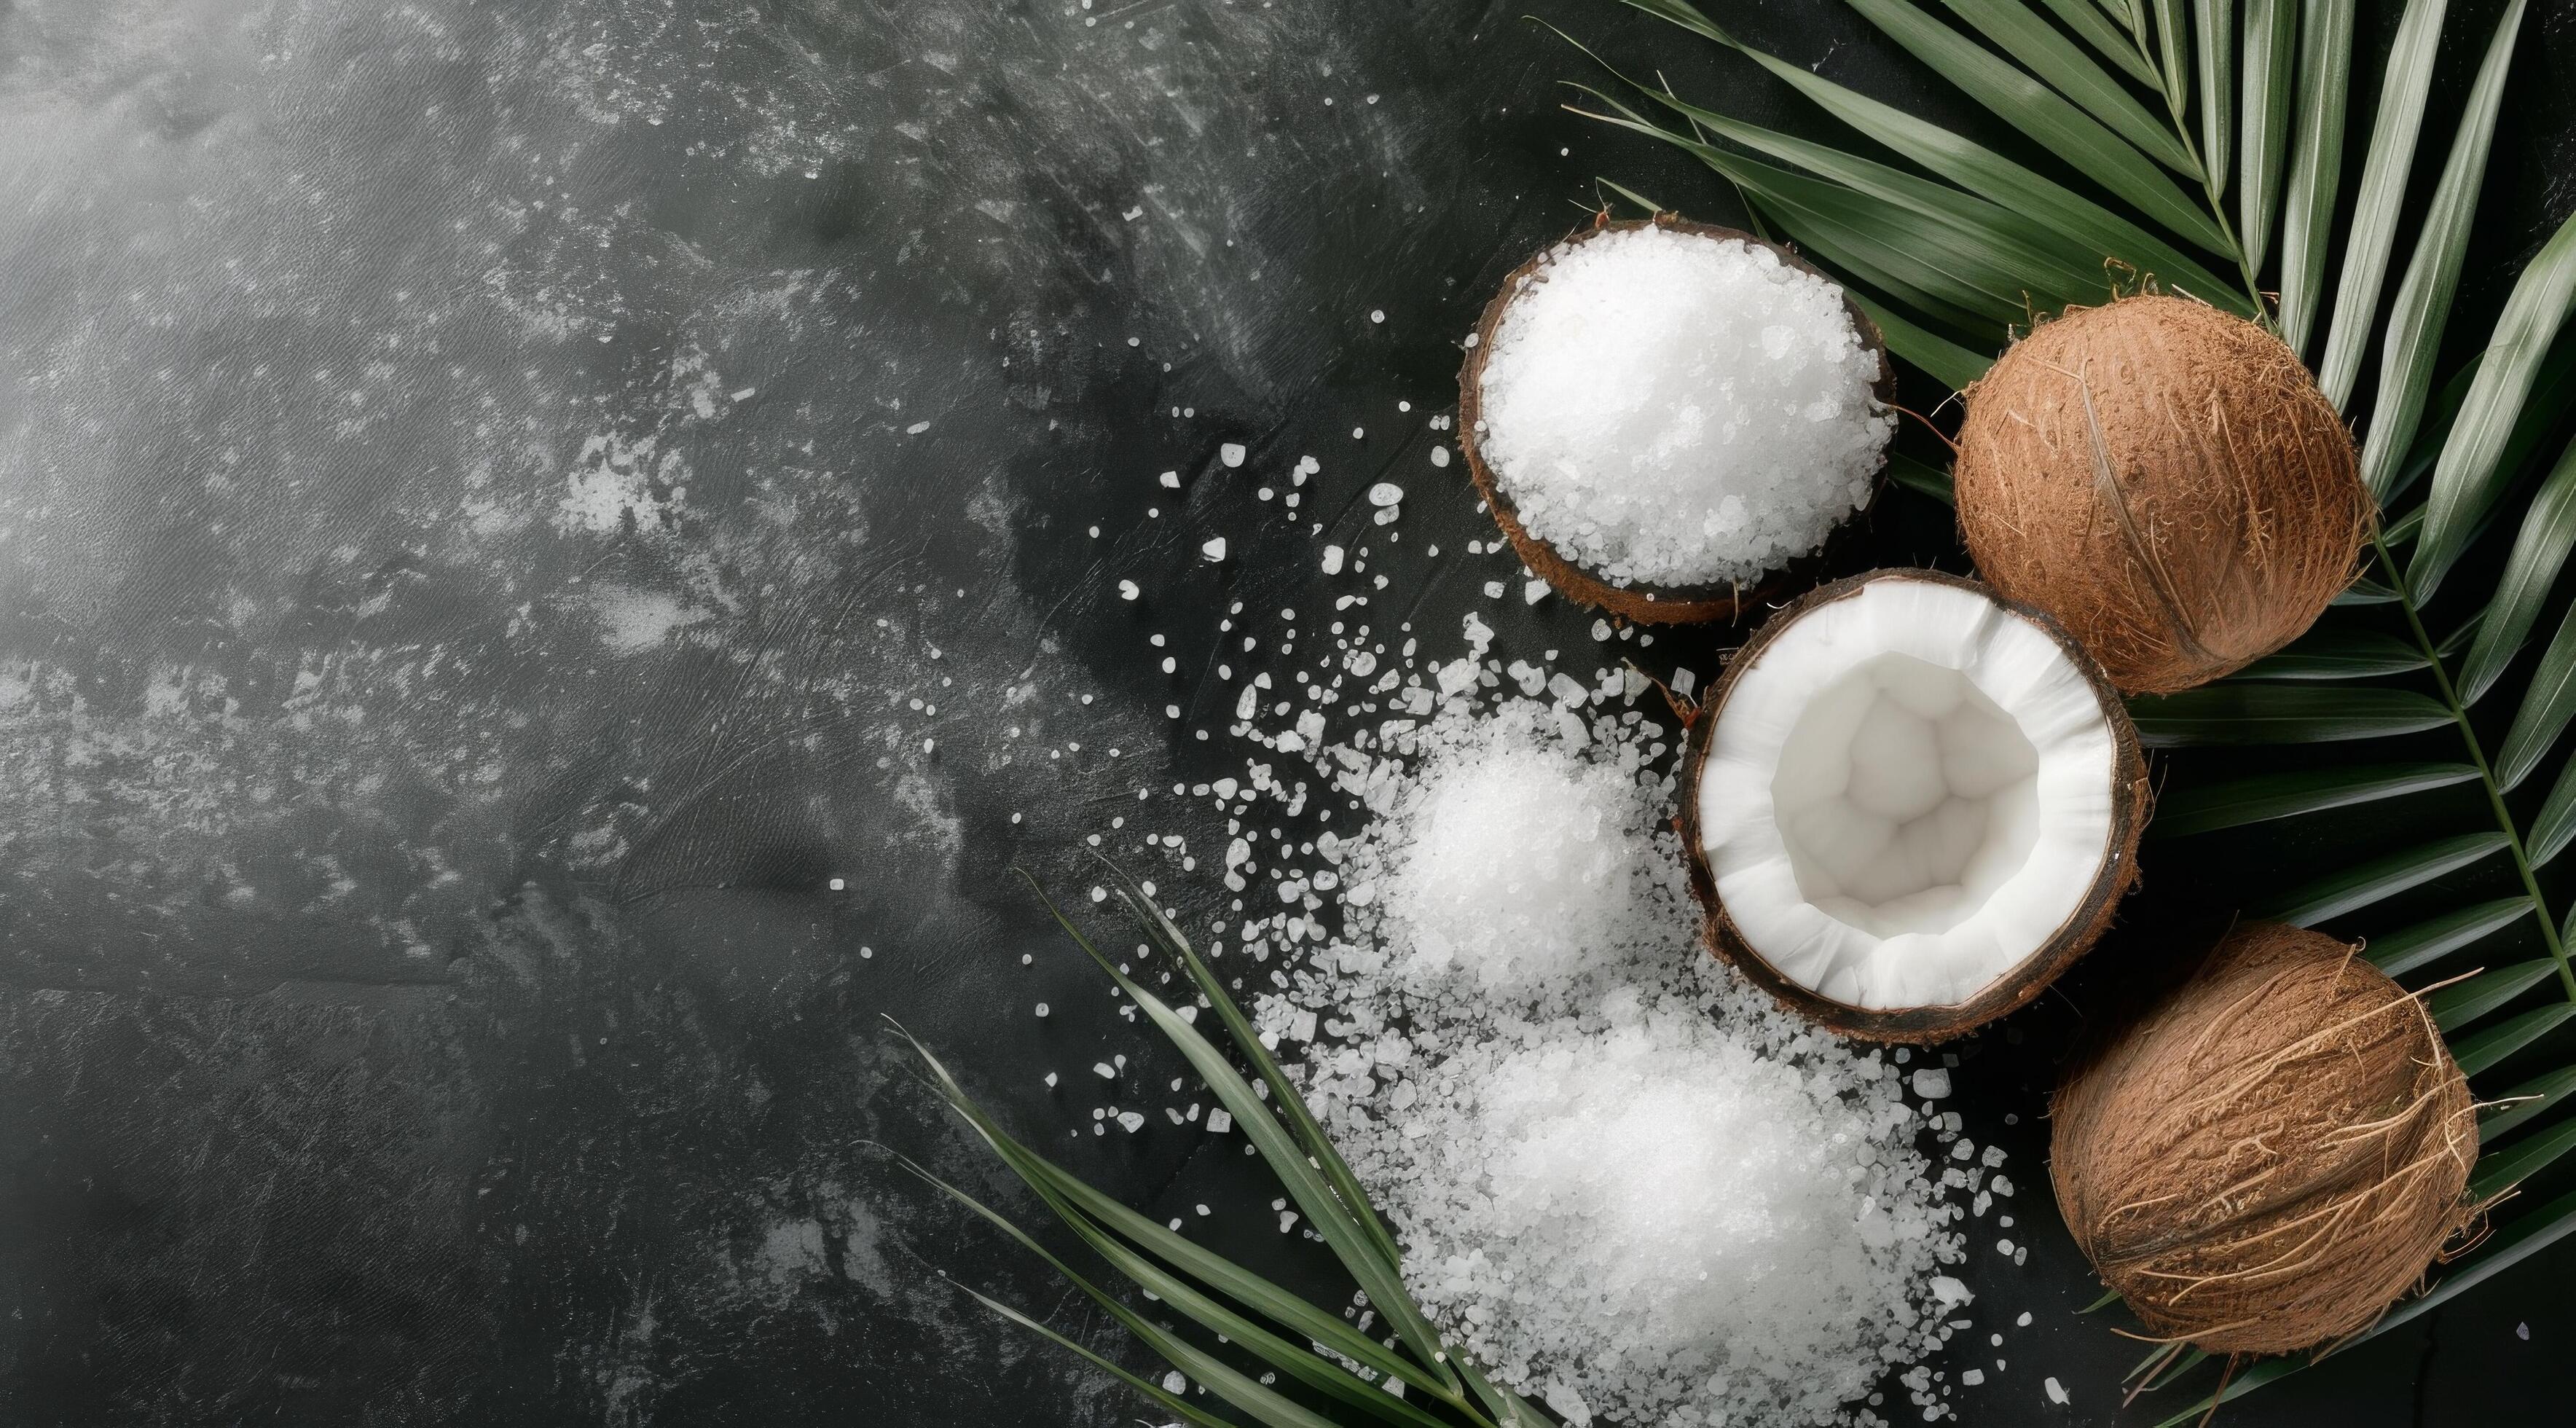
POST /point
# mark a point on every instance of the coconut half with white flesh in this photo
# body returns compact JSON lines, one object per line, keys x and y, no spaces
{"x":1910,"y":805}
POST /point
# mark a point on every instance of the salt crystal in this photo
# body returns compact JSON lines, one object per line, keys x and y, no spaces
{"x":1376,"y":314}
{"x":1972,"y":1377}
{"x":1231,"y":453}
{"x":1127,"y":590}
{"x":2023,"y":1322}
{"x":1104,"y":1071}
{"x":1332,"y":560}
{"x":1213,"y":550}
{"x":1219,"y":1122}
{"x":1174,"y":1382}
{"x":1171,"y":479}
{"x":1440,"y":456}
{"x":1932,"y":1083}
{"x":1581,"y":1116}
{"x":2056,"y":1390}
{"x":1533,"y":591}
{"x":1668,"y":408}
{"x":1385,"y":493}
{"x":1131,"y":1121}
{"x":1042,"y":1009}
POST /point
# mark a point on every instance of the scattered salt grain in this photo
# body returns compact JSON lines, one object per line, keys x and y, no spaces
{"x":1385,"y":493}
{"x":1440,"y":456}
{"x":1171,"y":480}
{"x":1219,"y":1122}
{"x":1332,"y":560}
{"x":2056,"y":1390}
{"x":1214,"y":549}
{"x":1615,"y":1169}
{"x":1670,"y":408}
{"x":1127,"y":590}
{"x":1932,"y":1083}
{"x":1231,"y":453}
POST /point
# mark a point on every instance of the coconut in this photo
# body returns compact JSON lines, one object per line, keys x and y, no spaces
{"x":1910,"y":804}
{"x":2272,"y":1154}
{"x":1668,"y":419}
{"x":2167,"y":481}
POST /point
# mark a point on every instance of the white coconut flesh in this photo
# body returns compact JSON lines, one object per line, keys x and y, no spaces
{"x":1908,"y":794}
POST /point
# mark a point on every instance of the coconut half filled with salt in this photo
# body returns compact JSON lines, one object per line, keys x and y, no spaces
{"x":1911,"y":804}
{"x":1665,"y":416}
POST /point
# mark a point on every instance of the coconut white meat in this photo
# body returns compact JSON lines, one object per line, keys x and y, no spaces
{"x":1909,"y":792}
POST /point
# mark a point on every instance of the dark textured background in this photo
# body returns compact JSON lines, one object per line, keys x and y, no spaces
{"x":421,"y":999}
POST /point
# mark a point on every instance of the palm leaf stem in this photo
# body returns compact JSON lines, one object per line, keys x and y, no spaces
{"x":2549,"y":931}
{"x":2176,"y":89}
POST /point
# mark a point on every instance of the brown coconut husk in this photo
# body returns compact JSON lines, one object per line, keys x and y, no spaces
{"x":1638,"y":601}
{"x":2272,"y":1154}
{"x":2167,"y":480}
{"x":2133,"y":800}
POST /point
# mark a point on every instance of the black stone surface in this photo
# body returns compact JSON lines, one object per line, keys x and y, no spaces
{"x":470,"y":551}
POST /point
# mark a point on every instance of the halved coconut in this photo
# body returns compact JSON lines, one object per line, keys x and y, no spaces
{"x":1910,"y":804}
{"x":1657,"y":389}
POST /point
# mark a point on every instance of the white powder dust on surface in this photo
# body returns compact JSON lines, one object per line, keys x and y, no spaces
{"x":1676,"y":409}
{"x":1621,"y":1177}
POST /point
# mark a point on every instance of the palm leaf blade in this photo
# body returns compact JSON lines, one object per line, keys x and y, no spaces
{"x":2333,"y":652}
{"x":2071,"y":72}
{"x":2088,"y":21}
{"x":2316,"y":164}
{"x":2202,"y":808}
{"x":2281,"y":714}
{"x":2545,"y":709}
{"x":2555,"y":824}
{"x":2467,"y":478}
{"x":2501,"y":1170}
{"x":2423,"y":306}
{"x":2454,"y":1007}
{"x":2531,"y":1098}
{"x":2348,"y":889}
{"x":1980,"y":170}
{"x":2391,"y":158}
{"x":2270,"y":72}
{"x":2048,"y":119}
{"x":2214,"y":21}
{"x":2478,"y":1053}
{"x":2436,"y":937}
{"x":2539,"y":554}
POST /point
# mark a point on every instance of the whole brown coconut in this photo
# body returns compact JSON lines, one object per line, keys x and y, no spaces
{"x":2273,"y":1154}
{"x":2167,"y":481}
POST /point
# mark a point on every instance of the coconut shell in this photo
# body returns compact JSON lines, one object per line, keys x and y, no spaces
{"x":2272,"y":1154}
{"x":2133,"y":799}
{"x":1639,"y":601}
{"x":2166,"y":480}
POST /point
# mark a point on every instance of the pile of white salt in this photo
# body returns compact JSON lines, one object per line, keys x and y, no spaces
{"x":1676,"y":409}
{"x":1624,"y":1183}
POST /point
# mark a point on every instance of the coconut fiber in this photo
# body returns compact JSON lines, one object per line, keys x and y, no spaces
{"x":2166,"y":480}
{"x":2272,"y":1154}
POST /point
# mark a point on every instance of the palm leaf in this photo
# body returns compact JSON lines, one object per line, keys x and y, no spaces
{"x":2347,"y":889}
{"x":2214,"y":22}
{"x":1980,"y":170}
{"x":2270,"y":70}
{"x":2280,"y":714}
{"x":2436,"y":937}
{"x":2466,"y":479}
{"x":2044,"y":51}
{"x":2202,"y":808}
{"x":2316,"y":163}
{"x":2049,"y":120}
{"x":2333,"y":652}
{"x":2539,"y":553}
{"x":2523,"y":1102}
{"x":2383,"y":194}
{"x":2478,"y":1053}
{"x":2089,"y":23}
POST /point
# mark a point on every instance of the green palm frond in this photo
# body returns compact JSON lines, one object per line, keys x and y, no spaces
{"x":2253,"y":100}
{"x":1252,"y":1316}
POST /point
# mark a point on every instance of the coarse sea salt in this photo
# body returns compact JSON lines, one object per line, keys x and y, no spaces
{"x":1676,"y":409}
{"x":1621,"y":1177}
